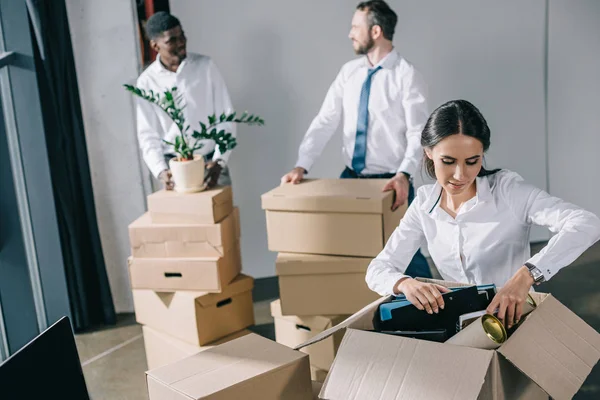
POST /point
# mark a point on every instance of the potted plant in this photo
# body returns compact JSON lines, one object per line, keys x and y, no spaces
{"x":188,"y":169}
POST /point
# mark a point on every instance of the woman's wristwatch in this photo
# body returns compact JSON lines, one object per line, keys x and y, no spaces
{"x":535,"y":273}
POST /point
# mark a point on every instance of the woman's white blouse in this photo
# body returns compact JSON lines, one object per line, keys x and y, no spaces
{"x":488,"y":241}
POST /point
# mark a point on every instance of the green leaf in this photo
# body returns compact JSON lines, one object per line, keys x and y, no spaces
{"x":231,"y":117}
{"x":222,"y":117}
{"x":212,"y":119}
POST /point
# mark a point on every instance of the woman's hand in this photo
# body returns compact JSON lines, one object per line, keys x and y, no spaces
{"x":425,"y":296}
{"x":509,"y":300}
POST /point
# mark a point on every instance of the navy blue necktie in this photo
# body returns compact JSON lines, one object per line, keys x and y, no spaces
{"x":360,"y":146}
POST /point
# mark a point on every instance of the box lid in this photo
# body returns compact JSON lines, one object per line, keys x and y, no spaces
{"x":214,"y":196}
{"x":372,"y":365}
{"x":555,"y":348}
{"x":330,"y":195}
{"x":242,"y":283}
{"x":312,"y":264}
{"x":316,"y":323}
{"x":229,"y":364}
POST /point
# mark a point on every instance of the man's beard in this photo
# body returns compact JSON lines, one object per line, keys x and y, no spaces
{"x":365,"y":48}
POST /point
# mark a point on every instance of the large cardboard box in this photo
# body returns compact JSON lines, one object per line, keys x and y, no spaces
{"x":209,"y":274}
{"x":293,"y":330}
{"x":350,"y":217}
{"x":184,"y":240}
{"x":163,"y":349}
{"x":249,"y":368}
{"x":551,"y":353}
{"x":319,"y":285}
{"x":207,"y":207}
{"x":197,"y":317}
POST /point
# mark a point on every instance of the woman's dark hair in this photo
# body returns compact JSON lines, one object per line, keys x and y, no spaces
{"x":451,"y":118}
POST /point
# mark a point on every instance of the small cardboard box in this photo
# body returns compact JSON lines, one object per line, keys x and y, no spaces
{"x":292,"y":331}
{"x":319,"y":285}
{"x":197,"y":318}
{"x":249,"y":368}
{"x":351,"y":217}
{"x":163,"y":349}
{"x":150,"y":240}
{"x":208,"y":274}
{"x":551,"y":353}
{"x":207,"y":207}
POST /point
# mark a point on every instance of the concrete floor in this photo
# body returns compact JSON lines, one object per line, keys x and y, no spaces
{"x":114,"y":361}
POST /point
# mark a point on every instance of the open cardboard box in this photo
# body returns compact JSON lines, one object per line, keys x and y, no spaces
{"x":351,"y":217}
{"x":551,"y":353}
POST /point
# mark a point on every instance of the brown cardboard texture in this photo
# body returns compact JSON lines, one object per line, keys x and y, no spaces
{"x":209,"y":274}
{"x":553,"y":349}
{"x":207,"y":207}
{"x":183,"y":240}
{"x":197,"y":317}
{"x":250,"y":368}
{"x":293,"y":330}
{"x":162,"y":349}
{"x":327,"y":279}
{"x":350,"y":217}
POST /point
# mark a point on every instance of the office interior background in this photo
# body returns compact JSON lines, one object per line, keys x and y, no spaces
{"x":531,"y":67}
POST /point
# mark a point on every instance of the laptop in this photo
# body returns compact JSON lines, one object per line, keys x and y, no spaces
{"x":48,"y":367}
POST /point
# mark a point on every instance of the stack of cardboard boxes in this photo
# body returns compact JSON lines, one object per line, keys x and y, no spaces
{"x":326,"y":231}
{"x":185,"y":272}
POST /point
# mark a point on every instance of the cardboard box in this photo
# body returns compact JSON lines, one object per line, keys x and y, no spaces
{"x":163,"y":349}
{"x":319,"y":285}
{"x":208,"y":274}
{"x":184,"y":240}
{"x":207,"y":207}
{"x":318,"y":375}
{"x":292,"y":331}
{"x":249,"y":368}
{"x":197,"y":317}
{"x":350,"y":217}
{"x":553,"y":350}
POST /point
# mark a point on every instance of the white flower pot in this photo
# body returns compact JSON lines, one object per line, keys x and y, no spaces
{"x":188,"y":176}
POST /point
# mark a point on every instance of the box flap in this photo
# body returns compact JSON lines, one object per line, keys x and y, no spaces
{"x":362,"y":319}
{"x":316,"y":323}
{"x":229,"y":364}
{"x":555,"y":348}
{"x":330,"y":195}
{"x":372,"y":365}
{"x":312,"y":264}
{"x":242,"y":283}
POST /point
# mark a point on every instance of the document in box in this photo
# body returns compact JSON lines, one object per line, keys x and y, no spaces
{"x":399,"y":316}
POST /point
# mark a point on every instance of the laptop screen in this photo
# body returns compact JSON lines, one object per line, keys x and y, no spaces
{"x":48,"y":367}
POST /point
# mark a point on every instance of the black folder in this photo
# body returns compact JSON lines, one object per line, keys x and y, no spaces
{"x":407,"y":317}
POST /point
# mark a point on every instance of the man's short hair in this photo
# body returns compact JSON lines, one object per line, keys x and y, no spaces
{"x":160,"y":22}
{"x":379,"y":13}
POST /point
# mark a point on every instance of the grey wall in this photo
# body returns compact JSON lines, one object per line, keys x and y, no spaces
{"x":574,"y":101}
{"x":106,"y":56}
{"x":279,"y":58}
